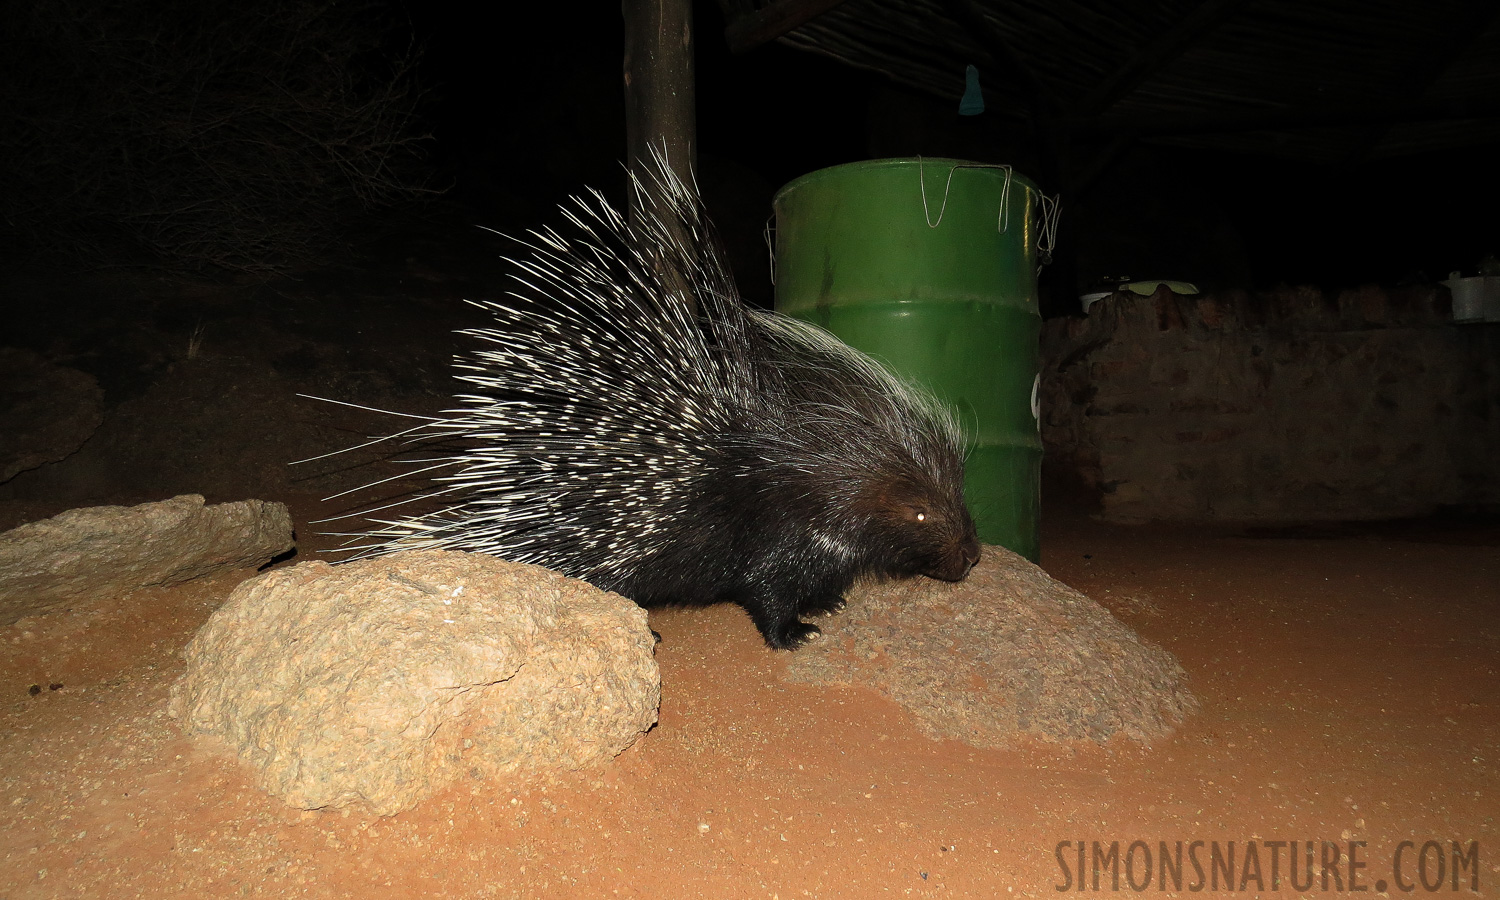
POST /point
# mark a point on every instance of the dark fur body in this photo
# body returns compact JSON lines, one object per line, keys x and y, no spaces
{"x":630,"y":423}
{"x":787,"y":552}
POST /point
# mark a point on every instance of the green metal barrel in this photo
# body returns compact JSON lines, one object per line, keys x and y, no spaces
{"x":930,"y":266}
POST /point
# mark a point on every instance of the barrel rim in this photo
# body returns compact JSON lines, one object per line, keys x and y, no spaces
{"x":897,"y":162}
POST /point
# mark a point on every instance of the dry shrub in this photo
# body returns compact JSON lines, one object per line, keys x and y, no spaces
{"x":203,"y":132}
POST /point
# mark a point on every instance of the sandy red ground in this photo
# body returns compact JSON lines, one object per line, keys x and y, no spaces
{"x":1350,"y":686}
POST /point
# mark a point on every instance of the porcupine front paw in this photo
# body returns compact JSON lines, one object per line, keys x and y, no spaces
{"x":792,"y":635}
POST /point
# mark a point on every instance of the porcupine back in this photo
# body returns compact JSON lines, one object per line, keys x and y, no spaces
{"x":631,"y":423}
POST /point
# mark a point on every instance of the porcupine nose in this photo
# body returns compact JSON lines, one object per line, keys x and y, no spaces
{"x":958,"y":562}
{"x":970,"y":555}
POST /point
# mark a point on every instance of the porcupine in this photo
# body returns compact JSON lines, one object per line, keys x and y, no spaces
{"x":635,"y":425}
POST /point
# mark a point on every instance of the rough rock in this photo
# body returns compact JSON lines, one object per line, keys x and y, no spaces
{"x":1009,"y":651}
{"x":46,"y":411}
{"x":380,"y":681}
{"x":109,"y":549}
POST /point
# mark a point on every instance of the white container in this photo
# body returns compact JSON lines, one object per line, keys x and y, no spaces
{"x":1090,"y":299}
{"x":1476,"y":298}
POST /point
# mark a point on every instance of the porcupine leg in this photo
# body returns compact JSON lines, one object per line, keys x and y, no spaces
{"x":822,"y":595}
{"x":775,"y":615}
{"x":777,"y":604}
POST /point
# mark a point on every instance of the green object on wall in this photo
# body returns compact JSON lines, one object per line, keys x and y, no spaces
{"x":930,"y":266}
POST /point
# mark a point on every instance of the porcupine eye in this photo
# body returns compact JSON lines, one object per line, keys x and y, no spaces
{"x":917,"y":514}
{"x":923,"y":525}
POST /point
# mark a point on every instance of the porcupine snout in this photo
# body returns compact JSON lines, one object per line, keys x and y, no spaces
{"x":962,"y":554}
{"x":963,"y":560}
{"x":933,"y":535}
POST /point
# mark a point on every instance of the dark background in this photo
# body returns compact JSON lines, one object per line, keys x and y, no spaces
{"x":107,"y":159}
{"x":525,"y":112}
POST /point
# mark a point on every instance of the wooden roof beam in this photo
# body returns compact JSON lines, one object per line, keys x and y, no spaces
{"x":1158,"y":54}
{"x":747,"y":31}
{"x":1473,"y":19}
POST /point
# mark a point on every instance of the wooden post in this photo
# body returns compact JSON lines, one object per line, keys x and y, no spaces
{"x":659,"y":95}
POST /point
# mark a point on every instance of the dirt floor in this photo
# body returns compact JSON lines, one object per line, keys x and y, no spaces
{"x":1349,"y":676}
{"x":1349,"y":688}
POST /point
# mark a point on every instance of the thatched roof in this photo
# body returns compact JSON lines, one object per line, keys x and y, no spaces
{"x":1321,"y":80}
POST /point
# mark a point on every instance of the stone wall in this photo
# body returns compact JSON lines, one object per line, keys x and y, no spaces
{"x":1291,"y":405}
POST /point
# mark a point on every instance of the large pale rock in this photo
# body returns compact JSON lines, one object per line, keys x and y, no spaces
{"x":110,"y":549}
{"x":1009,"y":651}
{"x":46,"y":411}
{"x":382,"y":680}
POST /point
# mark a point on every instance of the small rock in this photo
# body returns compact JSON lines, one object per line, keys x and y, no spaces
{"x":1008,"y":651}
{"x":104,"y":550}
